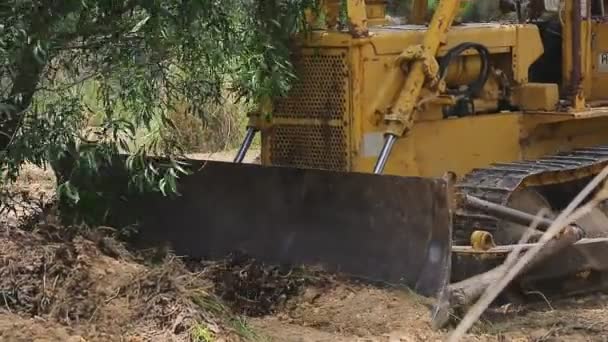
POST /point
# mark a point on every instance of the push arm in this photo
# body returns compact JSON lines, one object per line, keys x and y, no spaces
{"x":423,"y":68}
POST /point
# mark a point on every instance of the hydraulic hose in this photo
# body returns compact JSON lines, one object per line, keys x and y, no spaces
{"x":484,"y":73}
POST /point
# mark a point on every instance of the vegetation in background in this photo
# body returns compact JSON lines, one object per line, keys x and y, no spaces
{"x":398,"y":8}
{"x":84,"y":80}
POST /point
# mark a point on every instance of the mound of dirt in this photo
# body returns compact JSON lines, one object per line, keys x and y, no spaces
{"x":67,"y":284}
{"x":350,"y":311}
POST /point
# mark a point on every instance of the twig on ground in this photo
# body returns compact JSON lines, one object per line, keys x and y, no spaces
{"x":551,"y":333}
{"x":543,"y":297}
{"x":8,"y":308}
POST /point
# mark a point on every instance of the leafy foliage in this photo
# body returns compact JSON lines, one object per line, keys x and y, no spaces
{"x":265,"y":71}
{"x":84,"y":80}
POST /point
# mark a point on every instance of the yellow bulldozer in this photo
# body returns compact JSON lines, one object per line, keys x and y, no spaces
{"x":415,"y":153}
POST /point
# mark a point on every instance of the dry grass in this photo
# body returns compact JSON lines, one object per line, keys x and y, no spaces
{"x":219,"y":128}
{"x":86,"y":284}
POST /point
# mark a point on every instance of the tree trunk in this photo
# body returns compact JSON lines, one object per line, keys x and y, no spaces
{"x":29,"y":69}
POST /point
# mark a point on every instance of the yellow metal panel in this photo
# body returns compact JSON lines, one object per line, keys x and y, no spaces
{"x":460,"y":145}
{"x":540,"y":138}
{"x":434,"y":145}
{"x":527,"y":50}
{"x":392,"y":40}
{"x":357,"y":99}
{"x":537,"y":96}
{"x":457,"y":145}
{"x":326,"y":39}
{"x":376,"y":12}
{"x":357,"y":18}
{"x":599,"y":73}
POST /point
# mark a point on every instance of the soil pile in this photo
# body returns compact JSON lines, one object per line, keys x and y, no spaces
{"x":60,"y":283}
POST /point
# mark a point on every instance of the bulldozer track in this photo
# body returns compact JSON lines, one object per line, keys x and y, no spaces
{"x":499,"y":181}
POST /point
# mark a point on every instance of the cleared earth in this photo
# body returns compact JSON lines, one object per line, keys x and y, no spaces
{"x":67,"y":284}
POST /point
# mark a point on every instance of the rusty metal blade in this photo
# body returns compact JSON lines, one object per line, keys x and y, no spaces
{"x":383,"y":228}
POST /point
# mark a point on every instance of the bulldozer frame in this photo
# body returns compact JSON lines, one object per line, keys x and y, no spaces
{"x":413,"y":154}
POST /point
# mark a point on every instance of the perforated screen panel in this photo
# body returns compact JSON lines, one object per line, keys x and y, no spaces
{"x":303,"y":146}
{"x":312,"y":132}
{"x":320,"y":91}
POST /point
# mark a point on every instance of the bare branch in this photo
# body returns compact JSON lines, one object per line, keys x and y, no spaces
{"x":566,"y":217}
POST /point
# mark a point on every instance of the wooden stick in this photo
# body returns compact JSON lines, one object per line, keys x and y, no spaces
{"x":443,"y":309}
{"x":567,"y":216}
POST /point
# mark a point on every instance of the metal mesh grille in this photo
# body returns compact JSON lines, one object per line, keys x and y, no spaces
{"x":303,"y":146}
{"x":320,"y":91}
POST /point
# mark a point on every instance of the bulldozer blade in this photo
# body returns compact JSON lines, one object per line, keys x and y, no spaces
{"x":388,"y":229}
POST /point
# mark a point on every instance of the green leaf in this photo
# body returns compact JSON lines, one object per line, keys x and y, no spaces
{"x":123,"y":69}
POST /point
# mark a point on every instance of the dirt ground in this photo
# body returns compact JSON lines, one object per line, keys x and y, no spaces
{"x":358,"y":313}
{"x":67,"y":284}
{"x":252,"y":156}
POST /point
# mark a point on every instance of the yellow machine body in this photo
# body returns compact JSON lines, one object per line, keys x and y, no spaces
{"x":333,"y":117}
{"x":386,"y":98}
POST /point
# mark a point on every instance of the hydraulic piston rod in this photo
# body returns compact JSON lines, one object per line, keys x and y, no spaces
{"x":386,"y":151}
{"x":422,"y":66}
{"x":245,"y":145}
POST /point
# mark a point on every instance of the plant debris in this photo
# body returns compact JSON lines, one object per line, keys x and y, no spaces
{"x":66,"y":278}
{"x":256,"y":289}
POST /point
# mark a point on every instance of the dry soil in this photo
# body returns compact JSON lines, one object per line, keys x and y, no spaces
{"x":67,"y":284}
